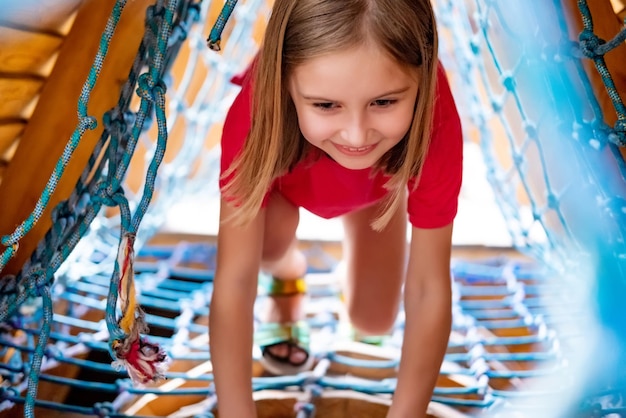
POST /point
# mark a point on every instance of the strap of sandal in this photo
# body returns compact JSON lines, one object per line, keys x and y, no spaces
{"x":278,"y":287}
{"x":274,"y":333}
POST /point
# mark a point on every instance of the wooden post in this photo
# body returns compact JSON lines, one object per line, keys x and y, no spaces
{"x":55,"y":117}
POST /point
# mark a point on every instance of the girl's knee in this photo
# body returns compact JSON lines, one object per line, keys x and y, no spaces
{"x":284,"y":262}
{"x":281,"y":222}
{"x":274,"y":253}
{"x":371,"y":321}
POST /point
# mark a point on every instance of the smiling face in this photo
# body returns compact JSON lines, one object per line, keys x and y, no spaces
{"x":355,"y":104}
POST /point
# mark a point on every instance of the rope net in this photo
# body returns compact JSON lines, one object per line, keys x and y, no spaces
{"x":521,"y":78}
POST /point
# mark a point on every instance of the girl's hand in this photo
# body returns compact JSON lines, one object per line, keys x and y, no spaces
{"x":400,"y":410}
{"x":242,"y":410}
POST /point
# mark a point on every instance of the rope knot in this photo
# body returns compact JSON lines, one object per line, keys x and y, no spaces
{"x":115,"y":123}
{"x":531,"y":130}
{"x":179,"y":33}
{"x":103,"y":409}
{"x":53,"y":352}
{"x":87,"y":123}
{"x":42,"y":284}
{"x":123,"y":385}
{"x":148,"y":89}
{"x":315,"y":390}
{"x":108,"y":197}
{"x":590,"y":44}
{"x":618,"y":136}
{"x":508,"y":81}
{"x":303,"y":409}
{"x":9,"y":393}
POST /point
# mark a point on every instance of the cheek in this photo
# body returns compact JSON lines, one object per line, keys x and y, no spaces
{"x":398,"y":125}
{"x":314,"y":128}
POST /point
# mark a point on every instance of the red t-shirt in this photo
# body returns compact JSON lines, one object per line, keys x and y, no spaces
{"x":327,"y":189}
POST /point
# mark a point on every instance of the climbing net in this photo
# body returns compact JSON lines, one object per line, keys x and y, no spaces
{"x":542,"y":132}
{"x":508,"y":315}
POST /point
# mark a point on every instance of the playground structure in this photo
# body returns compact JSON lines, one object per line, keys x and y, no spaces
{"x":555,"y":165}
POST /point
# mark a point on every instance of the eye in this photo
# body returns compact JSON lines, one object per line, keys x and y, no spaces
{"x":325,"y":106}
{"x":384,"y":102}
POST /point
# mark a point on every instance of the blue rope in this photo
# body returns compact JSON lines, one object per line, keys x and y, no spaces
{"x":215,"y":37}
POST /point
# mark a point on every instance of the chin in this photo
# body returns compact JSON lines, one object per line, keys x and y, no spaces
{"x":355,"y":164}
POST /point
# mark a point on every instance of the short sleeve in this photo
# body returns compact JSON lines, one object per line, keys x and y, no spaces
{"x":236,"y":125}
{"x":434,"y":202}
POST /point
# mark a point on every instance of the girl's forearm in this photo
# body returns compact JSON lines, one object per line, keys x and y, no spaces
{"x":230,"y":329}
{"x":426,"y":334}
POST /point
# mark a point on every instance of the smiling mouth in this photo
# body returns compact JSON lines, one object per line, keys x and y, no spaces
{"x":355,"y":150}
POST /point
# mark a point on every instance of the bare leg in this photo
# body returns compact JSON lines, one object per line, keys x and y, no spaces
{"x":282,"y":259}
{"x":375,"y":270}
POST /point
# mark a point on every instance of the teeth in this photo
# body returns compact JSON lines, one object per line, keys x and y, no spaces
{"x":357,"y":149}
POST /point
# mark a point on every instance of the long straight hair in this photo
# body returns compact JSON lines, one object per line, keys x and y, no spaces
{"x":299,"y":30}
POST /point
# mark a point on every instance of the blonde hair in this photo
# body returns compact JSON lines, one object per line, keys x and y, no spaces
{"x":299,"y":30}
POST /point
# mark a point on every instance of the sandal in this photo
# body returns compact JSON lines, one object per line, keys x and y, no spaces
{"x":353,"y":335}
{"x":295,"y":335}
{"x":347,"y":330}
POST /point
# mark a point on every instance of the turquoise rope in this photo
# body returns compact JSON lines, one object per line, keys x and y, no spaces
{"x":24,"y":287}
{"x":153,"y":94}
{"x":85,"y":123}
{"x":595,"y":49}
{"x":215,"y":37}
{"x":33,"y":375}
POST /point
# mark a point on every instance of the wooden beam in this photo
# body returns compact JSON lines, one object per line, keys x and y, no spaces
{"x":54,"y":118}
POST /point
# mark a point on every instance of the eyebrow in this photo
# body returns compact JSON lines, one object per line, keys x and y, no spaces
{"x":322,"y":99}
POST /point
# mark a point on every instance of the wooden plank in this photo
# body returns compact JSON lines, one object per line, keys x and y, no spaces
{"x":27,"y":52}
{"x":40,"y":15}
{"x":8,"y":133}
{"x":17,"y":94}
{"x":54,"y":118}
{"x":619,"y":6}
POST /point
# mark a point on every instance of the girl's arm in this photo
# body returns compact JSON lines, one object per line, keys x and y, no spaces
{"x":231,"y":315}
{"x":428,"y":307}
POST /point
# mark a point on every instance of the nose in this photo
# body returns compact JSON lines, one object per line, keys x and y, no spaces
{"x":355,"y":130}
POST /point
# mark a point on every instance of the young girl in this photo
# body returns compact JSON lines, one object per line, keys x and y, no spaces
{"x":345,"y":112}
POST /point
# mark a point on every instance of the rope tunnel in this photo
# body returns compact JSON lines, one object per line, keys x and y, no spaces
{"x":112,"y":116}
